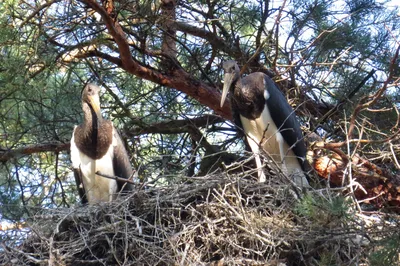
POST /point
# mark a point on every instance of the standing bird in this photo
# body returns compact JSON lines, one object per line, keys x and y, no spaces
{"x":267,"y":119}
{"x":97,"y":147}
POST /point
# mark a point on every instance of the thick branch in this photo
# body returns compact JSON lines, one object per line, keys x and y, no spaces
{"x":217,"y":42}
{"x":116,"y":31}
{"x":178,"y":78}
{"x":168,"y":15}
{"x":96,"y":53}
{"x":6,"y":155}
{"x":264,"y":15}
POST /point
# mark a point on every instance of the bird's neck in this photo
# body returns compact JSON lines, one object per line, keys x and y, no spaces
{"x":234,"y":83}
{"x":95,"y":134}
{"x":91,"y":124}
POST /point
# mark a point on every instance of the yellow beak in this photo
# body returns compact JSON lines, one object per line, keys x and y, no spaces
{"x":94,"y":102}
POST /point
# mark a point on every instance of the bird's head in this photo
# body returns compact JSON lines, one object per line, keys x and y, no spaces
{"x":90,"y":96}
{"x":232,"y":73}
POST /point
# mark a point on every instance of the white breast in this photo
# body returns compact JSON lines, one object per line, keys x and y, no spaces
{"x":263,"y":132}
{"x":97,"y":188}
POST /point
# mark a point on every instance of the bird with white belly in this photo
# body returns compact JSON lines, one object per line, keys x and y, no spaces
{"x":268,"y":121}
{"x":96,"y":147}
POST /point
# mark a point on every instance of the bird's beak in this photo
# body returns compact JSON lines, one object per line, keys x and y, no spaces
{"x":228,"y":78}
{"x":94,"y":102}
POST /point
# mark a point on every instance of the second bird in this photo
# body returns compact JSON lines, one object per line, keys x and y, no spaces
{"x":97,"y":147}
{"x":268,"y":121}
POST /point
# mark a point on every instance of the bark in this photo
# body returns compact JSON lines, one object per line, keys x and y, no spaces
{"x":371,"y":183}
{"x":6,"y":155}
{"x":177,"y":78}
{"x":168,"y":16}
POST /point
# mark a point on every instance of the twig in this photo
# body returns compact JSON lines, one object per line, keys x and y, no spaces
{"x":394,"y":155}
{"x":343,"y":101}
{"x":376,"y":96}
{"x":117,"y":178}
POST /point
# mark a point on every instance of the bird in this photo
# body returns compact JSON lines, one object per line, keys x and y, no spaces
{"x":268,"y":121}
{"x":96,"y":147}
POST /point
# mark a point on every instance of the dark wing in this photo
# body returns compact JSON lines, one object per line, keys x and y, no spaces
{"x":76,"y":162}
{"x":285,"y":119}
{"x":79,"y":185}
{"x":121,"y":162}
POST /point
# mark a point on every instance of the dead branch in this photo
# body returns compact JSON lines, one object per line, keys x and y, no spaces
{"x":208,"y":221}
{"x":343,"y":101}
{"x":374,"y":98}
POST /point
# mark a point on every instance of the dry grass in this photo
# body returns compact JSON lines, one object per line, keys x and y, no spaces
{"x":209,"y":221}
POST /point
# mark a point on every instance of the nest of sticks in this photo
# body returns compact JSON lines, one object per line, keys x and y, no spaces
{"x":215,"y":220}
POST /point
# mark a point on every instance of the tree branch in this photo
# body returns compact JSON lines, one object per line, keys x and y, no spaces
{"x":178,"y":78}
{"x":6,"y":155}
{"x":175,"y":126}
{"x":376,"y":96}
{"x":216,"y":41}
{"x":343,"y":101}
{"x":168,"y":16}
{"x":165,"y":127}
{"x":37,"y":11}
{"x":208,"y":16}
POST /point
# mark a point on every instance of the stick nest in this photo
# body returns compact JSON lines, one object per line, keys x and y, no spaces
{"x":212,"y":221}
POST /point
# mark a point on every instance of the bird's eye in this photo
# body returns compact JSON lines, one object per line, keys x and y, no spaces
{"x":233,"y":68}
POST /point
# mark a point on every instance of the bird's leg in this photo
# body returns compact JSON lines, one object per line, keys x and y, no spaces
{"x":91,"y":190}
{"x":261,"y":175}
{"x":111,"y":194}
{"x":255,"y":147}
{"x":281,"y":142}
{"x":260,"y":169}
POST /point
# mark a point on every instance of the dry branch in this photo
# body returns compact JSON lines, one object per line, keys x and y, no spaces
{"x":374,"y":98}
{"x":205,"y":221}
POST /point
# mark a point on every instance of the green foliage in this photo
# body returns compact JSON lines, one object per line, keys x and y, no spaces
{"x":323,"y":211}
{"x":328,"y":258}
{"x":10,"y":197}
{"x":387,"y":251}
